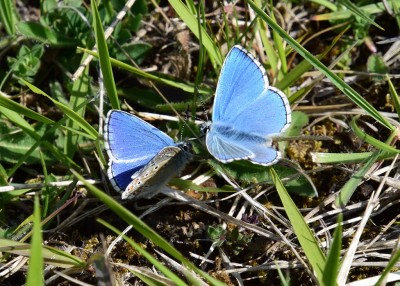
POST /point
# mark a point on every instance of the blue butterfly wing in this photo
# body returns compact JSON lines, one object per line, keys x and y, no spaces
{"x":120,"y":173}
{"x":227,"y":145}
{"x":130,"y":143}
{"x":128,"y":137}
{"x":269,"y":114}
{"x":224,"y":148}
{"x":263,"y":154}
{"x":242,"y":80}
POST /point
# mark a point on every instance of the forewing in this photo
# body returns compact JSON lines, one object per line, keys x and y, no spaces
{"x":267,"y":115}
{"x":128,"y":137}
{"x":242,"y":80}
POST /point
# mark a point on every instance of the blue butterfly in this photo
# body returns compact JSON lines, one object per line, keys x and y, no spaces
{"x":141,"y":157}
{"x":247,"y":112}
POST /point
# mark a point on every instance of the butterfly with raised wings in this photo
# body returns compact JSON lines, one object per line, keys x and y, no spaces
{"x":142,"y":158}
{"x":247,"y":113}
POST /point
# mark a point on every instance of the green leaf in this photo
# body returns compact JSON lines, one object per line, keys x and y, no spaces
{"x":369,"y":9}
{"x":390,"y":266}
{"x":376,"y":64}
{"x":27,"y":62}
{"x":15,"y":143}
{"x":331,"y":6}
{"x":359,"y":12}
{"x":244,"y":171}
{"x":346,"y":158}
{"x":44,"y":34}
{"x":394,"y":95}
{"x":297,"y":182}
{"x":29,"y":130}
{"x":134,"y":51}
{"x":299,"y":120}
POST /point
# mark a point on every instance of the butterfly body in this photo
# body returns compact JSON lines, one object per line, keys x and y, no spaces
{"x":247,"y":112}
{"x":138,"y":152}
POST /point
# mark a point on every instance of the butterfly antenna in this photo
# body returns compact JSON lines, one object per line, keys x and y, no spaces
{"x":101,"y":101}
{"x":204,"y":109}
{"x":186,"y":119}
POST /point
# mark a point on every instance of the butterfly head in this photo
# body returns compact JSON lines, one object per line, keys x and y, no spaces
{"x":204,"y":128}
{"x":186,"y":146}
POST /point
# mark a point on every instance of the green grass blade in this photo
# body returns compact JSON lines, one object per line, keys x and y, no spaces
{"x":35,"y":270}
{"x":331,"y":6}
{"x":304,"y":66}
{"x":346,"y":158}
{"x":336,"y":80}
{"x":104,"y":58}
{"x":359,"y":12}
{"x":19,"y":121}
{"x":12,"y":105}
{"x":394,"y":95}
{"x":46,"y":191}
{"x":160,"y":266}
{"x":68,"y":112}
{"x":395,"y":6}
{"x":371,"y":140}
{"x":53,"y":256}
{"x":7,"y":16}
{"x":78,"y":97}
{"x":391,"y":265}
{"x":281,"y":52}
{"x":190,"y":20}
{"x":305,"y":236}
{"x":175,"y":83}
{"x":349,"y":188}
{"x":144,"y":229}
{"x":341,"y":15}
{"x":28,"y":129}
{"x":267,"y":44}
{"x":333,"y":259}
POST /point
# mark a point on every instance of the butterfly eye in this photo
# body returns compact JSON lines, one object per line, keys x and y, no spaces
{"x":187,"y":146}
{"x":204,"y":128}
